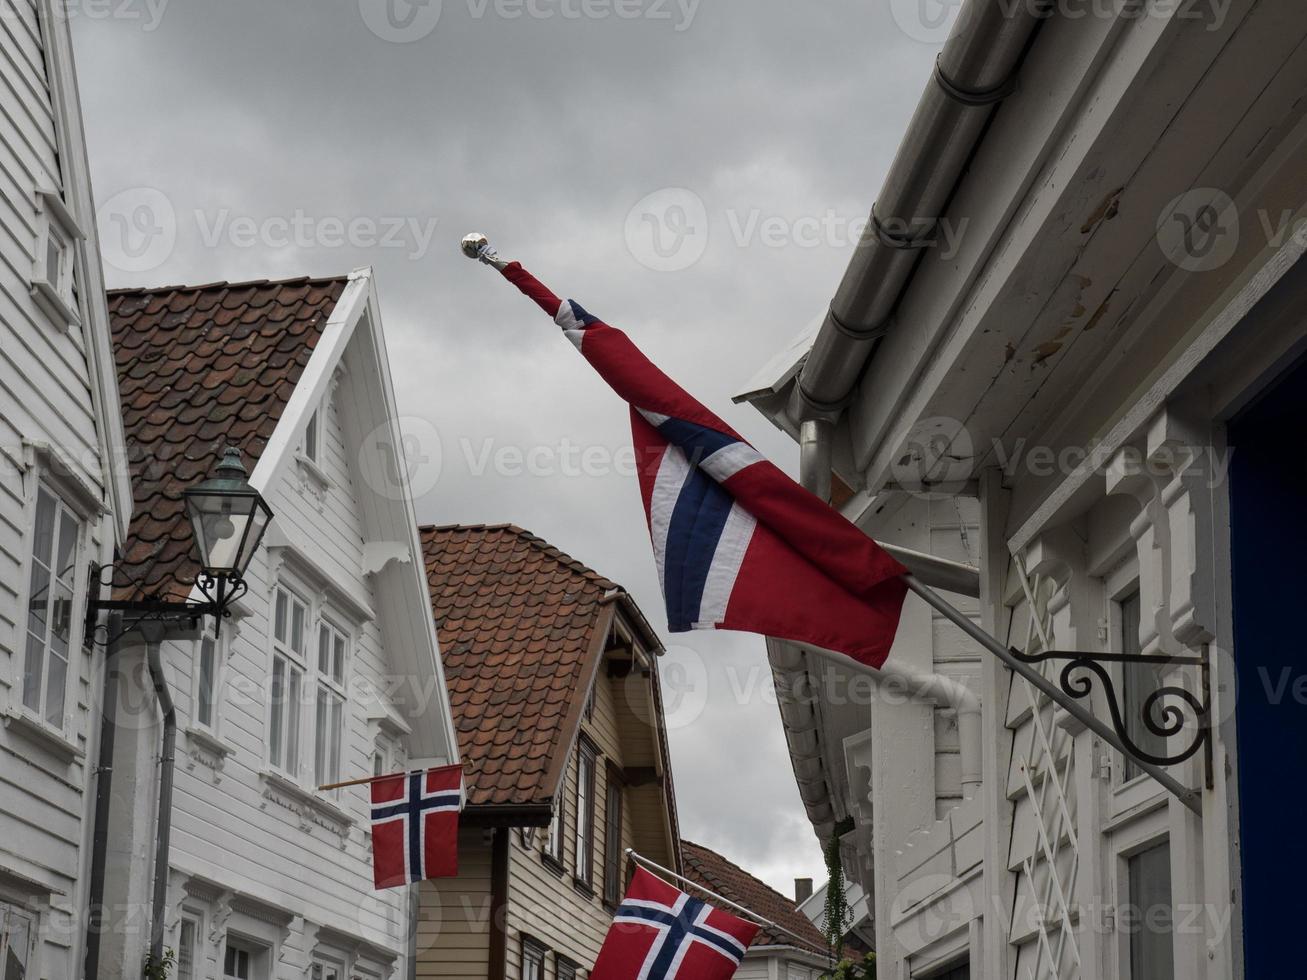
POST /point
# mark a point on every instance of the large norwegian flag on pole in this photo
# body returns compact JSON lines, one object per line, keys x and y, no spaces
{"x":415,"y":826}
{"x":739,"y":545}
{"x":661,"y":933}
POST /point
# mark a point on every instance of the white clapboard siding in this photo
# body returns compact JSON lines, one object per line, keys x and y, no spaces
{"x":231,"y":824}
{"x":45,"y":398}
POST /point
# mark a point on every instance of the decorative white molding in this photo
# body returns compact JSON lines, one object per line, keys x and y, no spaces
{"x":1184,"y":451}
{"x":1128,"y":474}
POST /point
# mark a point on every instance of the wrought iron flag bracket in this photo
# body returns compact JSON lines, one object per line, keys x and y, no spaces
{"x":1166,"y":711}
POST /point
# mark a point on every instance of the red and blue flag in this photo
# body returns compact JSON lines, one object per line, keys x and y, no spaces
{"x":739,"y":545}
{"x":661,"y":933}
{"x":415,"y":826}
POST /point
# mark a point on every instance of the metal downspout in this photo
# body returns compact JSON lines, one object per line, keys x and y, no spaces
{"x":103,"y":794}
{"x":975,"y":71}
{"x":167,"y":758}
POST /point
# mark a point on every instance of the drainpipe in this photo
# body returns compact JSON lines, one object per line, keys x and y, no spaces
{"x":976,"y":70}
{"x":167,"y":757}
{"x":103,"y":794}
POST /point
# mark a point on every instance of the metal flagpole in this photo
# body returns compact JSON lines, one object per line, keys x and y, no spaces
{"x":1077,"y":711}
{"x":766,"y":923}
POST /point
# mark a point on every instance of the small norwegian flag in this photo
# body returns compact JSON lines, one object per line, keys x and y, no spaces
{"x":415,"y":826}
{"x":661,"y":933}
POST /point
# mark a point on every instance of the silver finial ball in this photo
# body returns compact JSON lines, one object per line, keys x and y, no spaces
{"x":473,"y":244}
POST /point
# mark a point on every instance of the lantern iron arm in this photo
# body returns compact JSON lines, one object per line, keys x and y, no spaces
{"x":213,"y":507}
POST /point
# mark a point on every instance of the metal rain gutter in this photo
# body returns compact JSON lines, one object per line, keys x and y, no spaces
{"x":975,"y":71}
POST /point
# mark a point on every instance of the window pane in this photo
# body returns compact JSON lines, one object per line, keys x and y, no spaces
{"x":33,"y":672}
{"x":277,"y":718}
{"x":296,"y":626}
{"x":204,"y":705}
{"x":186,"y":951}
{"x":338,"y":660}
{"x":324,"y":649}
{"x":53,"y":259}
{"x":613,"y":843}
{"x":1138,"y":681}
{"x":279,"y":618}
{"x":585,"y":817}
{"x":311,"y":438}
{"x":16,"y":938}
{"x":66,"y":552}
{"x":320,"y":741}
{"x":293,"y":721}
{"x":337,"y":731}
{"x":56,"y":685}
{"x":1151,"y":914}
{"x":43,"y":533}
{"x":38,"y":600}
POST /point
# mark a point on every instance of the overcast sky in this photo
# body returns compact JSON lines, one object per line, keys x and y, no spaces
{"x":692,"y":172}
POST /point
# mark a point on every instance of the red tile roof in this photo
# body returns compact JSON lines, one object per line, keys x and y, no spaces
{"x":714,"y":872}
{"x":201,"y":367}
{"x":519,"y":624}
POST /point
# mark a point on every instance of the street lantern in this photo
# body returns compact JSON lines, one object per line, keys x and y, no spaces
{"x":228,"y":518}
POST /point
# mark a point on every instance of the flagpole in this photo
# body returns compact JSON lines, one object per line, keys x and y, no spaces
{"x":758,"y":919}
{"x":368,"y":780}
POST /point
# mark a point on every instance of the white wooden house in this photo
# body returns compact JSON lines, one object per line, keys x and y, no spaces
{"x":64,"y":493}
{"x":1096,"y":403}
{"x":329,"y":669}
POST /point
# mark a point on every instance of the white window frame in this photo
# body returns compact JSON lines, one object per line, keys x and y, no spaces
{"x":56,"y":230}
{"x":196,"y":921}
{"x":221,"y":645}
{"x":323,"y":963}
{"x":311,"y":444}
{"x":583,"y":835}
{"x":331,"y":684}
{"x":76,"y":612}
{"x":8,"y":912}
{"x":1125,"y":841}
{"x":291,"y":718}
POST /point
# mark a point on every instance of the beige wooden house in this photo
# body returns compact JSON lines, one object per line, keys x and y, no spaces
{"x":555,"y":697}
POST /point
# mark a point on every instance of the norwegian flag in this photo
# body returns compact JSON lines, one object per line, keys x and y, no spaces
{"x":739,"y":545}
{"x":415,"y":826}
{"x":661,"y":933}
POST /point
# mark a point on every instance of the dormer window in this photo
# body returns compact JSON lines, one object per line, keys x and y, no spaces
{"x":52,"y":275}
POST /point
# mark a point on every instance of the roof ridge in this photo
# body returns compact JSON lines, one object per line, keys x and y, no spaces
{"x":224,"y":284}
{"x":536,"y":541}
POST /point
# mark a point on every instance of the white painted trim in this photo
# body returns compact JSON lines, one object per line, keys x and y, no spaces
{"x":1244,"y":298}
{"x":79,"y":202}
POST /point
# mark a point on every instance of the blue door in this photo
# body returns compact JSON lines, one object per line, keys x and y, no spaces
{"x":1268,"y":503}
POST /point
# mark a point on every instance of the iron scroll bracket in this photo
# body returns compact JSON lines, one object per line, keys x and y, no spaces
{"x":1167,"y":711}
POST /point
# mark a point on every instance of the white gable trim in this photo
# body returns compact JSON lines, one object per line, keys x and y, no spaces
{"x":90,"y":273}
{"x":406,"y":594}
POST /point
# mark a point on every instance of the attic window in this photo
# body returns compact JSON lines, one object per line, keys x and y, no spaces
{"x":313,"y":439}
{"x":52,"y":273}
